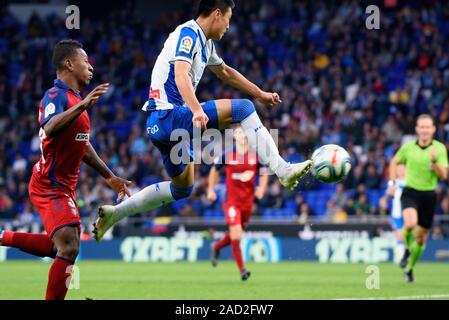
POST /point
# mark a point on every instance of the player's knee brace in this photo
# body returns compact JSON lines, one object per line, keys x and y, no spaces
{"x":179,"y":192}
{"x":241,"y":109}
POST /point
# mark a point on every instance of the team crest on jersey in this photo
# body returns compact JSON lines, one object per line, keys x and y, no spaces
{"x":186,"y":44}
{"x":82,"y":137}
{"x":49,"y":109}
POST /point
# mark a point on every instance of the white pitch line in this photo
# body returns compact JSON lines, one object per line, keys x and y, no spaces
{"x":430,"y":296}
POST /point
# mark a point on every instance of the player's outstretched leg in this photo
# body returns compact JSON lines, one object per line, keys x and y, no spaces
{"x":217,"y":246}
{"x":36,"y":244}
{"x":416,"y":250}
{"x":149,"y":198}
{"x":67,"y":243}
{"x":243,"y":111}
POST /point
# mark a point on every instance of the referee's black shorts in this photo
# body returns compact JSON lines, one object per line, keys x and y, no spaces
{"x":423,"y":201}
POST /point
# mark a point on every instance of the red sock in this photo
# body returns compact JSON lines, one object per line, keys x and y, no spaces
{"x":35,"y":244}
{"x":237,"y":253}
{"x":58,"y":279}
{"x":226,"y":241}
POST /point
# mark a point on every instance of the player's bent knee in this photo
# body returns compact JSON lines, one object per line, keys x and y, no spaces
{"x":69,"y":250}
{"x":180,"y":192}
{"x":241,"y":109}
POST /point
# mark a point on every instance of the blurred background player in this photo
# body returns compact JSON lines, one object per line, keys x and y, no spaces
{"x":425,"y":161}
{"x":173,"y":105}
{"x":242,"y":167}
{"x":64,"y":133}
{"x":397,"y":222}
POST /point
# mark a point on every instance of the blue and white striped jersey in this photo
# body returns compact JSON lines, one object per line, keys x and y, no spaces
{"x":187,"y":43}
{"x":396,"y":210}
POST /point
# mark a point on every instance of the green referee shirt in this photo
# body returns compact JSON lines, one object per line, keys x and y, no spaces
{"x":419,"y":173}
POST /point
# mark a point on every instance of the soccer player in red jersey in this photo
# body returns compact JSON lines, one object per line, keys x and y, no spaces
{"x":242,"y":167}
{"x":64,"y":133}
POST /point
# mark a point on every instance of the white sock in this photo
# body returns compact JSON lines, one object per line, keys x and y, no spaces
{"x":151,"y":197}
{"x":263,"y":143}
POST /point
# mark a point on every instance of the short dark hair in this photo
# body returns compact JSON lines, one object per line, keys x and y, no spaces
{"x":64,"y":49}
{"x":206,"y":7}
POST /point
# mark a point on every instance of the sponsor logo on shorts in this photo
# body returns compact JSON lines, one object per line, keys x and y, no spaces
{"x":153,"y":129}
{"x":82,"y":137}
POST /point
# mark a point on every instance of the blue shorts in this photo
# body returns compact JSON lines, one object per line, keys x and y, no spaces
{"x":397,"y":223}
{"x":161,"y":124}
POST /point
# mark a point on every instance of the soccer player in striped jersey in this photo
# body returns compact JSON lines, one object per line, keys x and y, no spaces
{"x":173,"y":105}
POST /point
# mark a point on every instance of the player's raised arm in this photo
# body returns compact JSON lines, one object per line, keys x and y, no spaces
{"x":439,"y":163}
{"x":212,"y":179}
{"x":187,"y":92}
{"x":62,"y":120}
{"x":118,"y":184}
{"x":237,"y":80}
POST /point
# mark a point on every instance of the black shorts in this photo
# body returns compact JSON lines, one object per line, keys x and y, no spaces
{"x":423,"y":201}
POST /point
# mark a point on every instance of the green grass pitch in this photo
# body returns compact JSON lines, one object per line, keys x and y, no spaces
{"x":286,"y":280}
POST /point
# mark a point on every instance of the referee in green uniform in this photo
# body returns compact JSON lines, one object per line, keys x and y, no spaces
{"x":425,"y":160}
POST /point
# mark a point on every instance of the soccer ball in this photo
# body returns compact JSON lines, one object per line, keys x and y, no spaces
{"x":330,"y":163}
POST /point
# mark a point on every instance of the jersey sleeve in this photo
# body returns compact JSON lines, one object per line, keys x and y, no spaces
{"x":441,"y":156}
{"x":219,"y":161}
{"x":53,"y":103}
{"x":401,"y":155}
{"x":214,"y":59}
{"x":186,"y":45}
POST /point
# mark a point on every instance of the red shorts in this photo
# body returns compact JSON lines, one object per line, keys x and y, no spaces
{"x":56,"y":205}
{"x":235,"y":215}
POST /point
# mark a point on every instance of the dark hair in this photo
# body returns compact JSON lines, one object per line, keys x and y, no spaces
{"x":64,"y":49}
{"x":206,"y":7}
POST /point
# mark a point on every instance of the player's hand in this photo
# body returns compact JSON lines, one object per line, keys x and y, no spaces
{"x":200,"y":119}
{"x":269,"y":98}
{"x":95,"y":94}
{"x":433,"y":155}
{"x":259,"y":193}
{"x":391,"y":190}
{"x":211,"y":195}
{"x":119,"y":185}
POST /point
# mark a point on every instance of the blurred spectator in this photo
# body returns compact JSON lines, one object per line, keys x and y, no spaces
{"x":337,"y":202}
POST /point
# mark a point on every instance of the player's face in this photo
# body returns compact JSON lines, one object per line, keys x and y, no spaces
{"x":223,"y":20}
{"x":425,"y":129}
{"x":82,"y":68}
{"x":239,"y":136}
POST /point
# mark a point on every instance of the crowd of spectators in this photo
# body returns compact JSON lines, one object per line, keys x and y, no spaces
{"x":340,"y":83}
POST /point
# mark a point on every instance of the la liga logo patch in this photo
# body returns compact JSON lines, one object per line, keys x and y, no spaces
{"x":186,"y":44}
